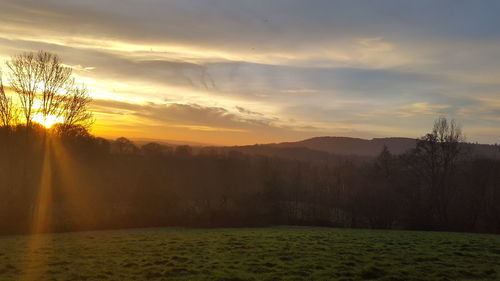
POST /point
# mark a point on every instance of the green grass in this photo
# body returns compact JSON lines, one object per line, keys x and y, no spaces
{"x":281,"y":253}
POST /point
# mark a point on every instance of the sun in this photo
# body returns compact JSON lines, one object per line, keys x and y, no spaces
{"x":47,"y":121}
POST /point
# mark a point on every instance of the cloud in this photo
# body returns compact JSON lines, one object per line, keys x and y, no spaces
{"x":420,"y":108}
{"x":189,"y":115}
{"x":258,"y":69}
{"x":240,"y":126}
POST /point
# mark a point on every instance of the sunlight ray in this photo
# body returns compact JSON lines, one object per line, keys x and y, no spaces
{"x":73,"y":188}
{"x":35,"y":263}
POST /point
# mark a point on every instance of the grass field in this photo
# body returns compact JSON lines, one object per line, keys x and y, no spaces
{"x":281,"y":253}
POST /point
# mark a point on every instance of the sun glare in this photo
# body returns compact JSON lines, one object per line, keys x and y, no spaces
{"x":47,"y":121}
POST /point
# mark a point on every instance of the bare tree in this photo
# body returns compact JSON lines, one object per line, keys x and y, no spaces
{"x":42,"y":78}
{"x":25,"y":80}
{"x":56,"y":79}
{"x":8,"y":113}
{"x":437,"y":155}
{"x":75,"y":109}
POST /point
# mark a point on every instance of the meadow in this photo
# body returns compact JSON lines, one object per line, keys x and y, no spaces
{"x":278,"y":253}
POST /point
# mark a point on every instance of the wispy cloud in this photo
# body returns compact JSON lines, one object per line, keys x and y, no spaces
{"x":255,"y":71}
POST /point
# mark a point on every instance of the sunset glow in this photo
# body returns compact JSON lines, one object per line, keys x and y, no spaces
{"x":229,"y":73}
{"x":47,"y":121}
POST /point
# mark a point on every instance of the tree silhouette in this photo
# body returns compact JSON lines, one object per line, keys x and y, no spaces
{"x":42,"y":77}
{"x":56,"y":82}
{"x":75,"y":107}
{"x":8,"y":112}
{"x":435,"y":161}
{"x":25,"y":80}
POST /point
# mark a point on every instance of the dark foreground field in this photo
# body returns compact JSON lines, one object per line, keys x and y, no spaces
{"x":282,"y":253}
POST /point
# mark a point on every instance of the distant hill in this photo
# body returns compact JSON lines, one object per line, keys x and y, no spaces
{"x":346,"y":146}
{"x":321,"y":148}
{"x":353,"y":146}
{"x":143,"y":141}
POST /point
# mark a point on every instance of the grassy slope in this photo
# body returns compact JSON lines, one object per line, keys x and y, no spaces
{"x":282,"y":253}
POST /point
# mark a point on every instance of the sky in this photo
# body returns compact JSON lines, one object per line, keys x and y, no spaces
{"x":236,"y":72}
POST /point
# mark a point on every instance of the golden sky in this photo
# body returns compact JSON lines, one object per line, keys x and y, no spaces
{"x":245,"y":72}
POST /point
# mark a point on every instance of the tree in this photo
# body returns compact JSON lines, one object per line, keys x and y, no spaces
{"x":70,"y":131}
{"x":25,"y":80}
{"x":377,"y":195}
{"x":41,"y":77}
{"x":124,"y":146}
{"x":75,"y":109}
{"x":8,"y":113}
{"x":183,"y":151}
{"x":435,"y":160}
{"x":152,"y":149}
{"x":56,"y":79}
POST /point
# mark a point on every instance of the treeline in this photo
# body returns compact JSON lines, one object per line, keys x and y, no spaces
{"x":71,"y":180}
